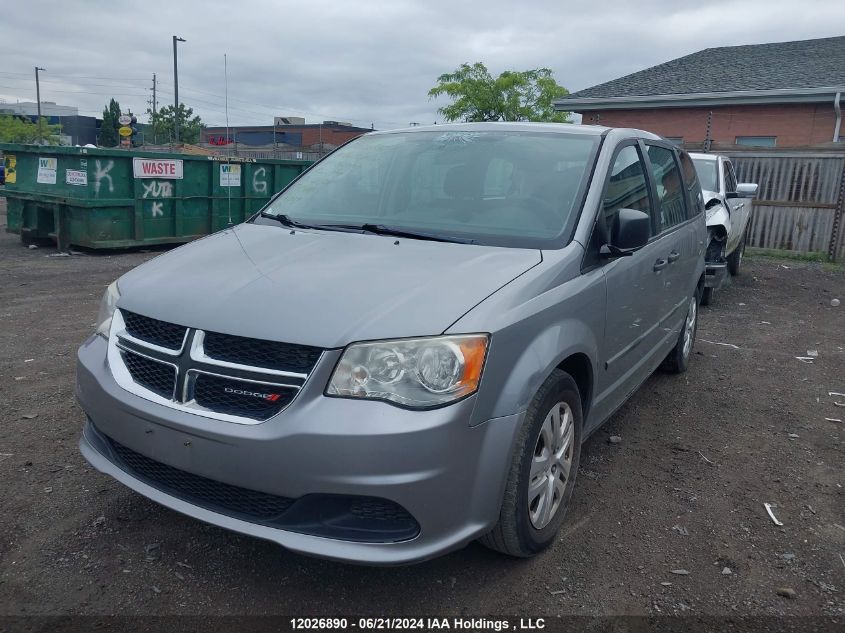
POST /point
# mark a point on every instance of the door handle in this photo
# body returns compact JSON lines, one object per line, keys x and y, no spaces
{"x":660,"y":264}
{"x":673,"y":256}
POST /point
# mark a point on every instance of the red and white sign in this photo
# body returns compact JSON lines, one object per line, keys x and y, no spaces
{"x":157,"y":168}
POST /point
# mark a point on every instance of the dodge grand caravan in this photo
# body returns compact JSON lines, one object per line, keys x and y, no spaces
{"x":405,"y":349}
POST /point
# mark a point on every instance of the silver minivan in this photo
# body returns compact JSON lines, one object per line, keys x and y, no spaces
{"x":406,"y":348}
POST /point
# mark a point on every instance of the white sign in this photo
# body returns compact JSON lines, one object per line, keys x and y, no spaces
{"x":230,"y":175}
{"x":47,"y":171}
{"x":76,"y":177}
{"x":124,"y":119}
{"x":157,"y":168}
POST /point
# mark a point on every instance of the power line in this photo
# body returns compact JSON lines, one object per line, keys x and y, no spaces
{"x":4,"y":73}
{"x":76,"y":83}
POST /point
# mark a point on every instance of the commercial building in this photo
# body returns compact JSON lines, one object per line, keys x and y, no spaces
{"x":289,"y":131}
{"x":76,"y":130}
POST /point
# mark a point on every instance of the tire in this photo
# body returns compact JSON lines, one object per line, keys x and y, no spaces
{"x":678,"y":359}
{"x":707,"y":296}
{"x":524,"y":528}
{"x":735,"y":258}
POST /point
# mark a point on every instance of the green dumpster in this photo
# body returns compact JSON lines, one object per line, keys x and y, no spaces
{"x":109,"y":198}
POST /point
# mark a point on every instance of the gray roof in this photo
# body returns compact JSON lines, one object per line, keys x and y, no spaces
{"x":805,"y":64}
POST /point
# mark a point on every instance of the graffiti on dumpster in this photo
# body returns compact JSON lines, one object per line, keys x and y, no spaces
{"x":101,"y":172}
{"x":259,"y":184}
{"x":156,"y":189}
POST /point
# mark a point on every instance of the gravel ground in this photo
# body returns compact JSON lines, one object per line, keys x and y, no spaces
{"x":682,"y":492}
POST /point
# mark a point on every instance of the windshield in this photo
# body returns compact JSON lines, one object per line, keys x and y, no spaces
{"x":708,"y":173}
{"x":504,"y":188}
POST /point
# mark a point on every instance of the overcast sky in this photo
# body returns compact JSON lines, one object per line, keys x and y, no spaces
{"x":370,"y":61}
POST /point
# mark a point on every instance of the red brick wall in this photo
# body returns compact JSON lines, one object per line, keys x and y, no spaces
{"x":802,"y":124}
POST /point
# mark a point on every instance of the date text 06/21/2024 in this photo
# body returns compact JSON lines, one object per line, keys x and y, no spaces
{"x":417,"y":624}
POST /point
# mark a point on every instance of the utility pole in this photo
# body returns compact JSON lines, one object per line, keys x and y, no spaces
{"x":155,"y":140}
{"x":176,"y":89}
{"x":38,"y":98}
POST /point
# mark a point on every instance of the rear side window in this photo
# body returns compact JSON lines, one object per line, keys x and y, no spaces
{"x":670,"y":190}
{"x":627,"y":187}
{"x":695,"y":199}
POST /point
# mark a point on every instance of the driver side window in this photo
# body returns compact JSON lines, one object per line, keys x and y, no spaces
{"x":627,"y":187}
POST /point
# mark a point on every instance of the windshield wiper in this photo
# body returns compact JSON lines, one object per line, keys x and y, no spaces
{"x":378,"y":229}
{"x":383,"y":229}
{"x":286,"y":220}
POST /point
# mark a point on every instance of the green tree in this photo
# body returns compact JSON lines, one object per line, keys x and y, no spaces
{"x":108,"y":130}
{"x":163,"y":124}
{"x":512,"y":96}
{"x":15,"y":129}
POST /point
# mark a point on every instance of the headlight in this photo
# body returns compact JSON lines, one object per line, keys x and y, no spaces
{"x":418,"y":373}
{"x":107,"y":305}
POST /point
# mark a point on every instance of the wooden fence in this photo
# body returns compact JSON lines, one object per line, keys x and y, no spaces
{"x":800,"y":200}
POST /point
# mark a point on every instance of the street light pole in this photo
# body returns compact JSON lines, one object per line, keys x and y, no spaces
{"x":176,"y":89}
{"x":38,"y":99}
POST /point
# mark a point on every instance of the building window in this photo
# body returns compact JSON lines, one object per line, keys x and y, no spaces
{"x":675,"y":140}
{"x":757,"y":141}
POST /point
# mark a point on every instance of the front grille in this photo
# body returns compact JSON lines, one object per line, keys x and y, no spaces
{"x":161,"y":333}
{"x":214,"y":495}
{"x":155,"y":376}
{"x":378,"y":510}
{"x":238,"y":397}
{"x":192,"y":369}
{"x":266,"y":354}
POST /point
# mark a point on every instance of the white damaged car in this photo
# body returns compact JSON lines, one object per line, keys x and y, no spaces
{"x":728,"y":209}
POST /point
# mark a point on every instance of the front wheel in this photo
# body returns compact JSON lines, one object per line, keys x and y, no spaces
{"x":678,"y":359}
{"x":542,"y":471}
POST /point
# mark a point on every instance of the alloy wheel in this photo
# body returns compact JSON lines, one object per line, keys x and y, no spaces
{"x":551,"y":465}
{"x":689,"y":325}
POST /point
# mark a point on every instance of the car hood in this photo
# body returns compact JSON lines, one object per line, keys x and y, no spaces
{"x":326,"y":289}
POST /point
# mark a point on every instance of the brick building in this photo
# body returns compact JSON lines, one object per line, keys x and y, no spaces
{"x":786,"y":94}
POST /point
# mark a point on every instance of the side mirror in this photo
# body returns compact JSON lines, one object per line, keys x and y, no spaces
{"x":630,"y":231}
{"x":746,"y":190}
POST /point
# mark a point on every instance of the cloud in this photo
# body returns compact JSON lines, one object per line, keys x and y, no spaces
{"x":368,"y":62}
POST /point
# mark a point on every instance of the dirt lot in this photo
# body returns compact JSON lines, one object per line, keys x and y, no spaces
{"x":684,"y":490}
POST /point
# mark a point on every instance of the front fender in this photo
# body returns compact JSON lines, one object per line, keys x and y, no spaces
{"x":719,"y":217}
{"x":532,"y":360}
{"x":549,"y":315}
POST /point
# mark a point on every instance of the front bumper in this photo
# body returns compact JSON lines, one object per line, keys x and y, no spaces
{"x":715,"y":274}
{"x":449,"y":476}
